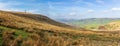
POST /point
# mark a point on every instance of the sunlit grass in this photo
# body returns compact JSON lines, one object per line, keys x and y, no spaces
{"x":38,"y":33}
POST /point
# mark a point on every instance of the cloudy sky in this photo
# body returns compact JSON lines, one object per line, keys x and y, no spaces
{"x":66,"y":9}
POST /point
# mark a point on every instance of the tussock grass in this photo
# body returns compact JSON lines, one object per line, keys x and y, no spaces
{"x":22,"y":31}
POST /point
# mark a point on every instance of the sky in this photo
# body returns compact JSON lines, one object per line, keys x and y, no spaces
{"x":65,"y":9}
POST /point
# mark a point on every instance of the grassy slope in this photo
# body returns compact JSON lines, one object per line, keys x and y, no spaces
{"x":17,"y":32}
{"x":25,"y":26}
{"x":115,"y":25}
{"x":93,"y":23}
{"x":41,"y":18}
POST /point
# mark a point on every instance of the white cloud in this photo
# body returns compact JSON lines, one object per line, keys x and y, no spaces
{"x":105,"y":11}
{"x":3,"y":5}
{"x":8,"y":5}
{"x":90,"y":11}
{"x":115,"y":9}
{"x":73,"y":13}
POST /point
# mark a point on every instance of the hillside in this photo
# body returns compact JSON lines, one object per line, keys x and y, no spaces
{"x":41,"y":18}
{"x":19,"y":29}
{"x":113,"y":26}
{"x":92,"y":23}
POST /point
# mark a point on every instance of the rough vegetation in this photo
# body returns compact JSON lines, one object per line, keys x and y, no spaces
{"x":18,"y":30}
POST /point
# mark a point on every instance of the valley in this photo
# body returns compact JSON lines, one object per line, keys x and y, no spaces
{"x":92,"y":23}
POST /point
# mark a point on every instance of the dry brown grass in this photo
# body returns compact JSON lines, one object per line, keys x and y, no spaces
{"x":44,"y":34}
{"x":11,"y":20}
{"x":47,"y":40}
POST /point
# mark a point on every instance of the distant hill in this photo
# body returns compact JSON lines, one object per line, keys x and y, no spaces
{"x":91,"y":23}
